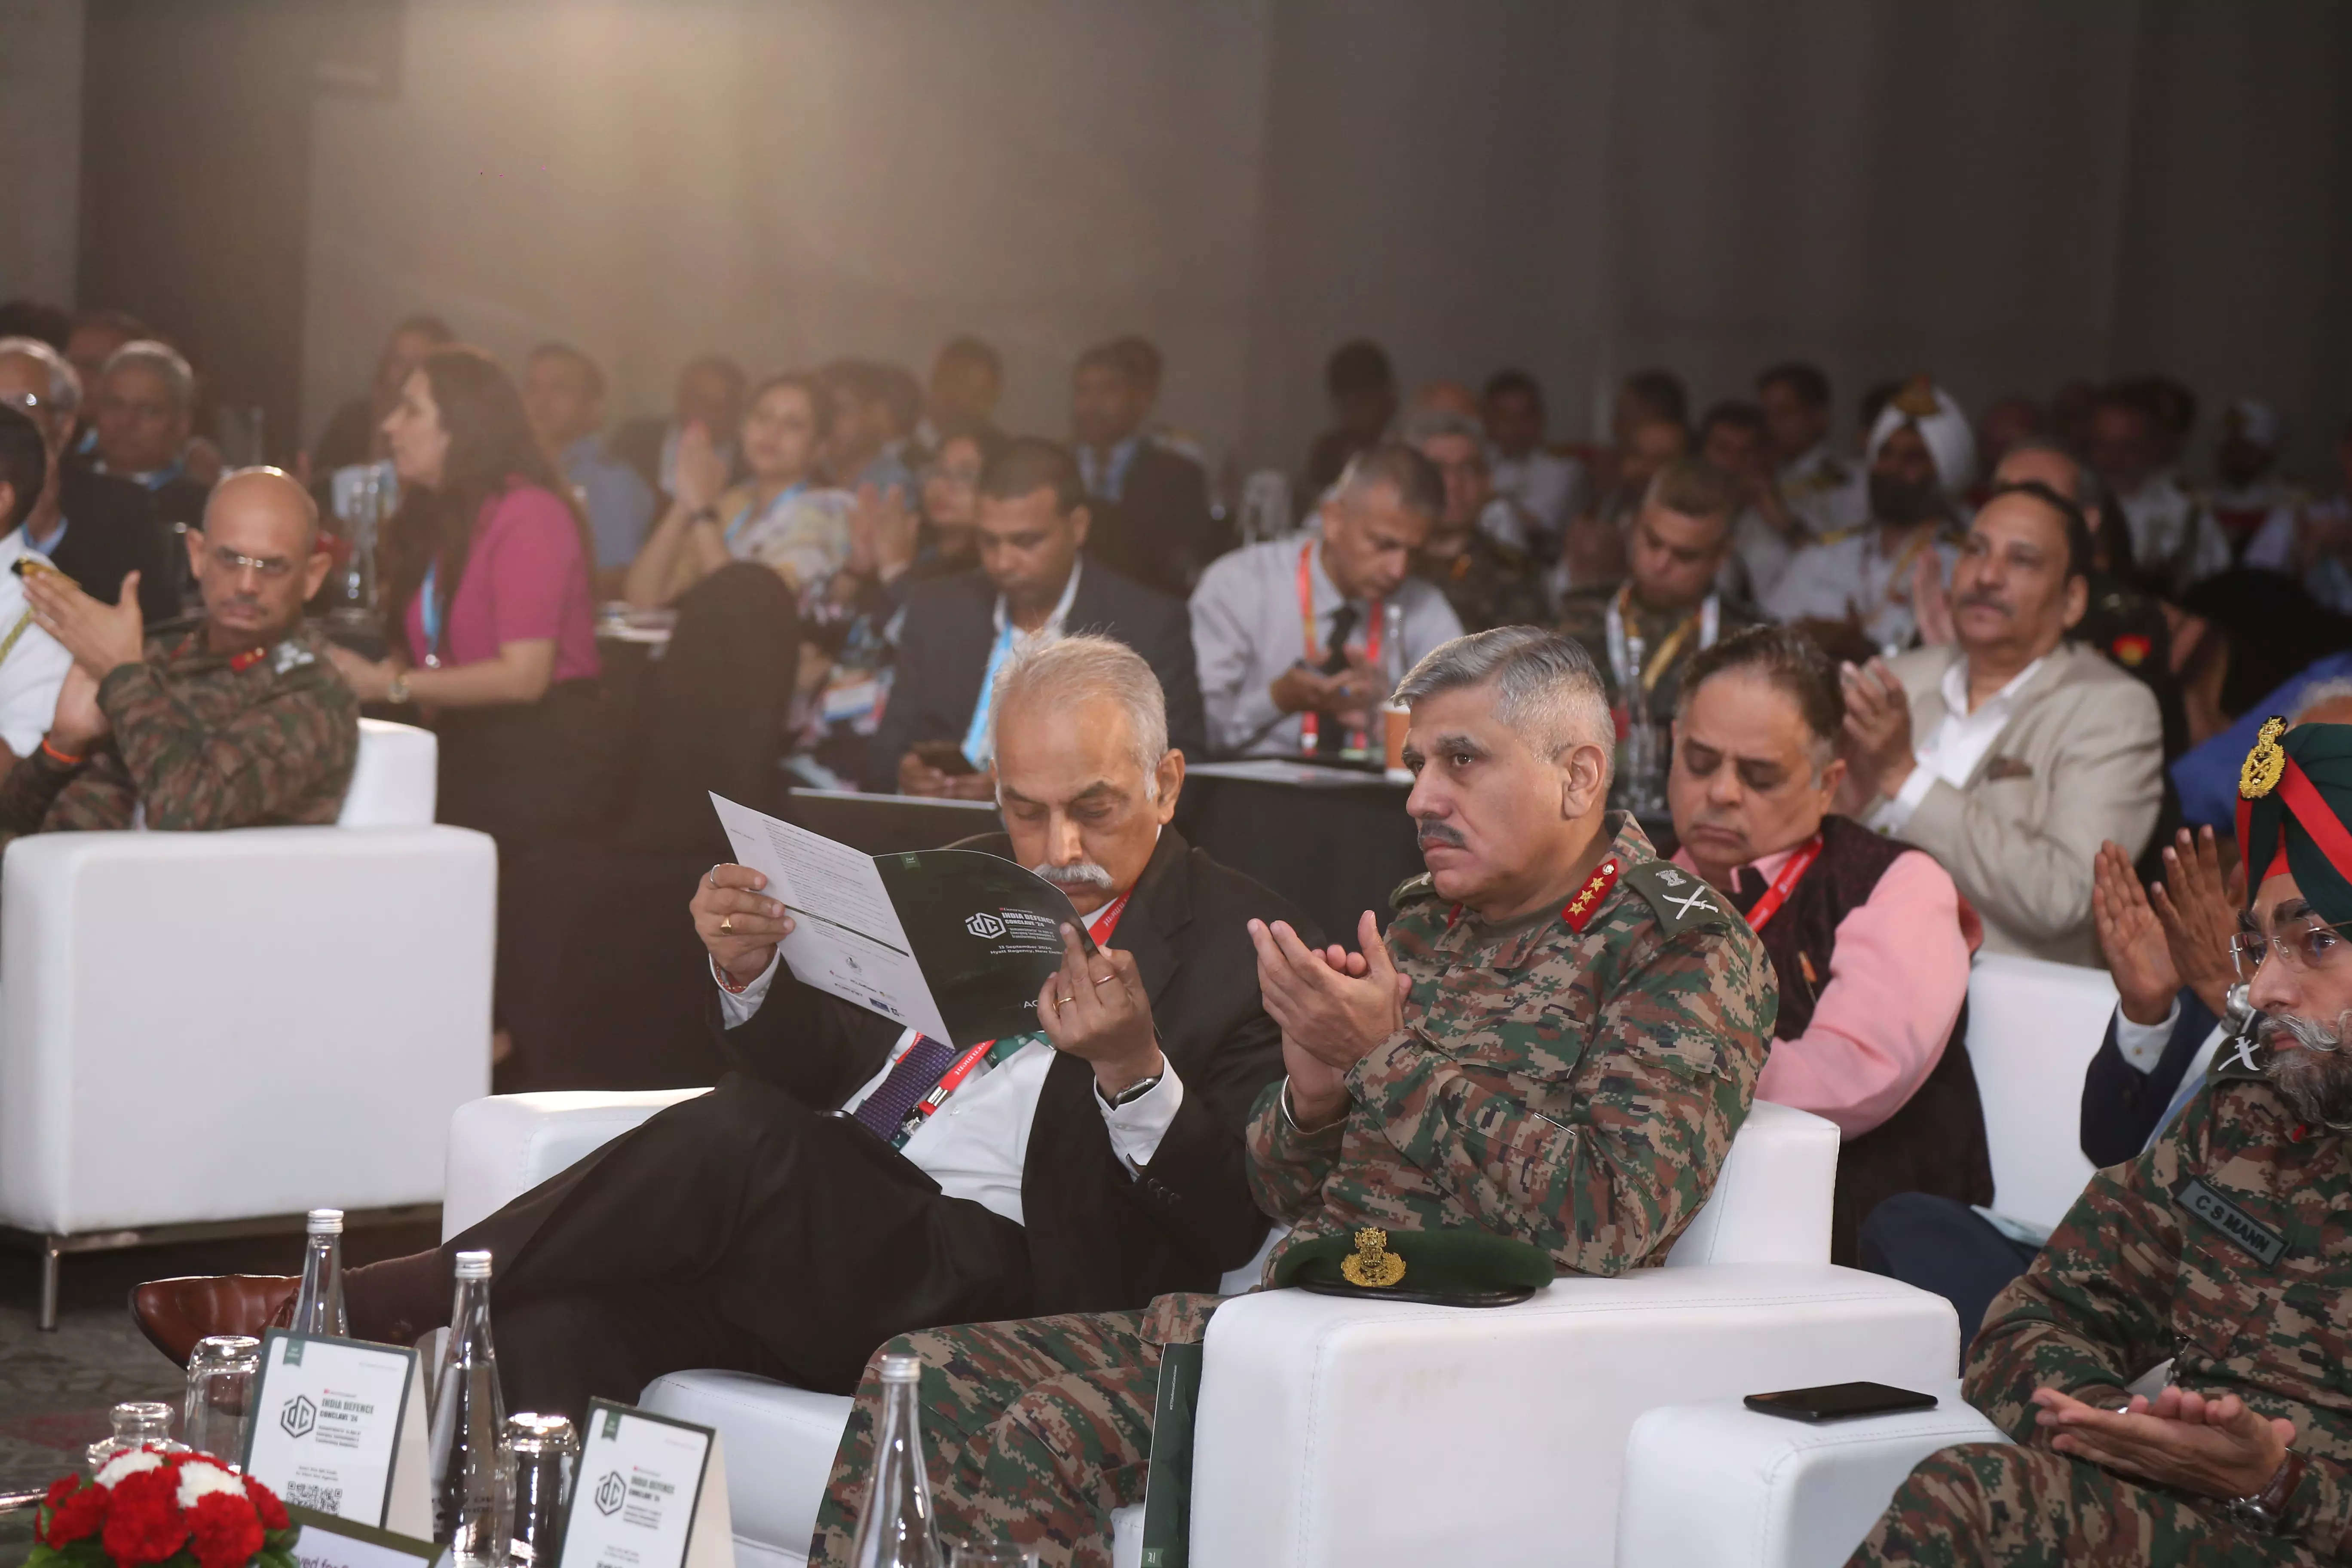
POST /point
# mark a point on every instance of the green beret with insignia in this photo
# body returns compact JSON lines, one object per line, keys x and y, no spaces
{"x":2294,"y":800}
{"x":1444,"y":1268}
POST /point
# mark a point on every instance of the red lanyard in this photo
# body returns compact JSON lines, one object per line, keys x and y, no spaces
{"x":1316,"y":651}
{"x":1784,"y":884}
{"x":1101,"y":927}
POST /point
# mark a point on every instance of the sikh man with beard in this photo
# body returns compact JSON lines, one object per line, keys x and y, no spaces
{"x":2221,"y":1246}
{"x":813,"y":1204}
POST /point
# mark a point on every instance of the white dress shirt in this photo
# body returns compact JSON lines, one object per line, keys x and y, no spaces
{"x":1247,"y":631}
{"x":976,"y":1144}
{"x":1546,"y":486}
{"x":34,"y":670}
{"x":1958,"y":745}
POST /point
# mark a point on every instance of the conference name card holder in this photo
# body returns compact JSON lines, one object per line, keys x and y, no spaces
{"x":339,"y":1433}
{"x":650,"y":1492}
{"x":330,"y":1543}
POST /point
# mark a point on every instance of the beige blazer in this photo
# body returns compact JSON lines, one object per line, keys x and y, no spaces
{"x":2080,"y":761}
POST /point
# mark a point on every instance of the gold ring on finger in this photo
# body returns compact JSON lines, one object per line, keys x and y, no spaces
{"x":727,"y":925}
{"x":1106,"y":979}
{"x":1061,"y":1002}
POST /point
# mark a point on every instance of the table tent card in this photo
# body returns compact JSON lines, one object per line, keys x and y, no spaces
{"x":954,"y":943}
{"x":331,"y":1542}
{"x":650,"y":1492}
{"x":339,"y":1427}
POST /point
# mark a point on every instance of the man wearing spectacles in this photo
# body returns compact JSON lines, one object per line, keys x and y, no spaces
{"x":239,"y":722}
{"x":2220,"y":1246}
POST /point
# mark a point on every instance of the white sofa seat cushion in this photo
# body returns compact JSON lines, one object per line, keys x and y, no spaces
{"x":780,"y":1439}
{"x":502,"y":1146}
{"x":395,"y":777}
{"x":1715,"y":1485}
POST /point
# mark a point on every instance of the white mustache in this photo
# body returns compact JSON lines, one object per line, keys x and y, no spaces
{"x":1085,"y":874}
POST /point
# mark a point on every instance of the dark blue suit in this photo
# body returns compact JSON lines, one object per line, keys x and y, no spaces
{"x":1946,"y":1246}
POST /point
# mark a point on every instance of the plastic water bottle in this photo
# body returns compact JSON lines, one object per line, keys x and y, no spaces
{"x":319,"y":1303}
{"x":896,"y":1531}
{"x":469,"y":1418}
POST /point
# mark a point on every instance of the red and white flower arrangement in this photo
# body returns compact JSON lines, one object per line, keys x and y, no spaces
{"x":181,"y":1511}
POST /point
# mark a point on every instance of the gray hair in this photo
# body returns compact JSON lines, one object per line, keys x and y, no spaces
{"x":2337,"y":689}
{"x":1057,"y":669}
{"x":1432,"y":423}
{"x":163,"y":360}
{"x":65,"y":382}
{"x":1547,"y":688}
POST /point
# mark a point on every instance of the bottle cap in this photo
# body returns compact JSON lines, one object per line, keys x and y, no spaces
{"x":902,"y":1368}
{"x":530,"y":1433}
{"x":326,"y":1222}
{"x":473,"y":1265}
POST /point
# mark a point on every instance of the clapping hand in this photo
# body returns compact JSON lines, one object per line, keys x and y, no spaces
{"x":882,"y":533}
{"x":1931,"y":603}
{"x":1333,"y":1007}
{"x":2198,"y":908}
{"x":80,"y":721}
{"x":101,"y":637}
{"x":2133,"y":939}
{"x":701,"y":468}
{"x":2216,"y":1448}
{"x":1877,"y":743}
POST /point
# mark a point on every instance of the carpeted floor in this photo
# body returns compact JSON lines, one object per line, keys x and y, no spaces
{"x":56,"y":1388}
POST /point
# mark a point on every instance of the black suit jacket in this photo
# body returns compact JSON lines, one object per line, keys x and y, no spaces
{"x":943,"y":654}
{"x":2121,"y":1104}
{"x":112,"y":529}
{"x":1101,"y":1238}
{"x":1160,"y":531}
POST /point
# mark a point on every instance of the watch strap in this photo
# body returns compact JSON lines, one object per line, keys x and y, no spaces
{"x":2266,"y":1508}
{"x":1136,"y":1090}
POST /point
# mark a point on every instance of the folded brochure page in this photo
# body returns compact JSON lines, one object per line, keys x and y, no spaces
{"x":954,"y":943}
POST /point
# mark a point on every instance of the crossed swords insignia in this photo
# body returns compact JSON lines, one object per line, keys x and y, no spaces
{"x":2245,"y":1055}
{"x":1695,"y":904}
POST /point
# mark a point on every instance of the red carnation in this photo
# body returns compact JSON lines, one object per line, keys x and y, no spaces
{"x":265,"y":1504}
{"x":225,"y":1529}
{"x":79,"y":1515}
{"x":144,"y":1523}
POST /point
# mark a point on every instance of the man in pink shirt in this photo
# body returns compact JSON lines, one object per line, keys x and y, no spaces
{"x":1869,"y":937}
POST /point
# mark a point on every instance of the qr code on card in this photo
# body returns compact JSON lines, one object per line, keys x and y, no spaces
{"x":310,"y":1494}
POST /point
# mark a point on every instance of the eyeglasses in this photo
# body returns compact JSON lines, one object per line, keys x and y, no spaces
{"x":268,"y":568}
{"x":960,"y":476}
{"x":2304,"y":948}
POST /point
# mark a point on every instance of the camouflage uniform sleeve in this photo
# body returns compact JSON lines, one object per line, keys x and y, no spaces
{"x":29,"y":791}
{"x":2094,"y":1309}
{"x":262,"y":765}
{"x":1288,"y":1168}
{"x":1660,"y":1088}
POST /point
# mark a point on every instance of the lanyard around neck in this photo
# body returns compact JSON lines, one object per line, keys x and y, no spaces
{"x":1784,"y":884}
{"x":1375,"y":626}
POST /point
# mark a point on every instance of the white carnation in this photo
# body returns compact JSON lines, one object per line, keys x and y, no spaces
{"x":199,"y":1481}
{"x":137,"y":1462}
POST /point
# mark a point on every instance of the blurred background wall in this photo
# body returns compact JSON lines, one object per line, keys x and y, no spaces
{"x":2006,"y":193}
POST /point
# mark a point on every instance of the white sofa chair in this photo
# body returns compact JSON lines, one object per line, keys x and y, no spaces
{"x":1770,"y":1491}
{"x":1778,"y":1494}
{"x":206,"y":1034}
{"x":1315,"y":1410}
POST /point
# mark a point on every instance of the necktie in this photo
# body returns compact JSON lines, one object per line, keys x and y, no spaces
{"x":910,"y":1078}
{"x":1329,"y":738}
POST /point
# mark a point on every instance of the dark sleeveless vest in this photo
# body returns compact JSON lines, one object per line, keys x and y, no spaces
{"x":1935,"y":1144}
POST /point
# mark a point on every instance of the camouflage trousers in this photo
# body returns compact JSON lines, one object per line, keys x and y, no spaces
{"x":1034,"y":1431}
{"x":2028,"y":1508}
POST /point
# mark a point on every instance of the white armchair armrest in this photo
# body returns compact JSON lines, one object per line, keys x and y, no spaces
{"x":1716,"y":1485}
{"x":501,"y":1147}
{"x":1336,"y":1431}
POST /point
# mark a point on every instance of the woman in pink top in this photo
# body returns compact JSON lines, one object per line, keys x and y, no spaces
{"x":486,"y":574}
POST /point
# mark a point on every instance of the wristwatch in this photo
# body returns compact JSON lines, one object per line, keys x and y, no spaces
{"x":703,"y":514}
{"x":1136,"y":1090}
{"x":397,"y":691}
{"x":2266,"y":1508}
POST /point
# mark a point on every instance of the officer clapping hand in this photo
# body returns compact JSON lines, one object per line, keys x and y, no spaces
{"x":1095,"y":1008}
{"x":1334,"y":1008}
{"x":101,"y":637}
{"x":739,"y":926}
{"x":2216,"y":1448}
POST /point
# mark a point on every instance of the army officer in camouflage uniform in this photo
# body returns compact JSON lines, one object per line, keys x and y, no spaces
{"x":239,"y":722}
{"x":2225,"y":1247}
{"x":1555,"y":1042}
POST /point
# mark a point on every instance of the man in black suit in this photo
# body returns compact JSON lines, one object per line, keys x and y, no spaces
{"x":95,"y":528}
{"x":1150,"y":503}
{"x":1032,"y":578}
{"x":1094,"y":1165}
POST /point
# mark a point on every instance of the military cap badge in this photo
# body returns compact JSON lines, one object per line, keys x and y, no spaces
{"x":1371,"y":1265}
{"x":2266,"y":763}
